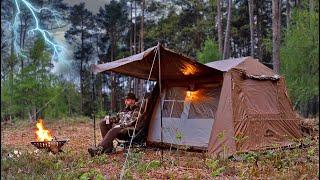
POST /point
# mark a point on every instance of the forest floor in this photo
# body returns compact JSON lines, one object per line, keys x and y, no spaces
{"x":21,"y":160}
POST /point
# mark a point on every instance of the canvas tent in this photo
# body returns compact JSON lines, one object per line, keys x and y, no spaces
{"x":254,"y":110}
{"x":212,"y":106}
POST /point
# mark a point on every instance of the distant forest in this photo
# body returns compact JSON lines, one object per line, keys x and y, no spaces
{"x":284,"y":35}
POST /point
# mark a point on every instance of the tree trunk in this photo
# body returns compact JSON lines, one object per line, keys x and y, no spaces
{"x":81,"y":74}
{"x":259,"y":51}
{"x":30,"y":116}
{"x":219,"y":26}
{"x":99,"y":81}
{"x":251,"y":10}
{"x":69,"y":103}
{"x":131,"y":28}
{"x":113,"y":102}
{"x":298,"y":3}
{"x":276,"y":35}
{"x":135,"y":29}
{"x":311,"y":5}
{"x":81,"y":87}
{"x":226,"y":49}
{"x":141,"y":82}
{"x":131,"y":79}
{"x":136,"y":80}
{"x":21,"y":33}
{"x":142,"y":27}
{"x":113,"y":83}
{"x":33,"y":114}
{"x":11,"y":67}
{"x":288,"y":13}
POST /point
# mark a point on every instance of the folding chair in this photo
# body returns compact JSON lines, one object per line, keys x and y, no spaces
{"x":139,"y":139}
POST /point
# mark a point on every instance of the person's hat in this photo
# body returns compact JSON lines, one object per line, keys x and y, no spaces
{"x":131,"y":96}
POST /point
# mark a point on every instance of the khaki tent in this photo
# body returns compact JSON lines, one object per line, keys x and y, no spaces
{"x":254,"y":110}
{"x":224,"y":106}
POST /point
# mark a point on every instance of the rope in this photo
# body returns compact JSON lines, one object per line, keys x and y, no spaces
{"x":135,"y":126}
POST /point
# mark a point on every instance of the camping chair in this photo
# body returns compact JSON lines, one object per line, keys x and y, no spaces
{"x":139,"y":138}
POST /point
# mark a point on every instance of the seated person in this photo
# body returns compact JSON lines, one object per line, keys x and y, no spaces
{"x":111,"y":127}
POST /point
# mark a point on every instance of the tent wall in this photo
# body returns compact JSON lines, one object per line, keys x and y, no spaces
{"x":187,"y":118}
{"x":263,"y":116}
{"x":253,"y":115}
{"x":222,"y":134}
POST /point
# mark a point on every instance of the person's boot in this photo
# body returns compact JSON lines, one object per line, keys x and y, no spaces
{"x":109,"y":150}
{"x":96,"y":151}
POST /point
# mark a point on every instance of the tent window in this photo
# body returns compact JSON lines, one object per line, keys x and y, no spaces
{"x":205,"y":103}
{"x":173,"y":103}
{"x":201,"y":111}
{"x":172,"y":108}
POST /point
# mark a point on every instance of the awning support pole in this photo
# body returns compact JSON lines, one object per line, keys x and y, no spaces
{"x":93,"y":109}
{"x":160,"y":102}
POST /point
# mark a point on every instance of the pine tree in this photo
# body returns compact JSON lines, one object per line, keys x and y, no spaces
{"x":79,"y":36}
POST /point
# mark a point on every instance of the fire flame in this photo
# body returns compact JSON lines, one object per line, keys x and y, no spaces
{"x":42,"y":133}
{"x":192,"y":96}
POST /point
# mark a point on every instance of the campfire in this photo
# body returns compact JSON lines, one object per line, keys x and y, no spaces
{"x":46,"y":141}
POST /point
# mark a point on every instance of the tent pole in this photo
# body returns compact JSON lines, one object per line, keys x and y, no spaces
{"x":160,"y":103}
{"x":93,"y":109}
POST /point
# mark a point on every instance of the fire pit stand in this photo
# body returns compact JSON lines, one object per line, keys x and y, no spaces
{"x":53,"y":146}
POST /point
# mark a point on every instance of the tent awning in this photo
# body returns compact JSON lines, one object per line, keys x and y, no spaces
{"x":174,"y":66}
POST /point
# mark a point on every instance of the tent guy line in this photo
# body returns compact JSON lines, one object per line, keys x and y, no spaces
{"x":135,"y":126}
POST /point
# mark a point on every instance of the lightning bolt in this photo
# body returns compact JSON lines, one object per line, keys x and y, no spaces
{"x":57,"y":49}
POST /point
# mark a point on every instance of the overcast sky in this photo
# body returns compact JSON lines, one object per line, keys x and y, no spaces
{"x":92,"y":5}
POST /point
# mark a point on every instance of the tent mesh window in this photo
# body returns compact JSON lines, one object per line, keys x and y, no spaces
{"x":173,"y":103}
{"x":204,"y":103}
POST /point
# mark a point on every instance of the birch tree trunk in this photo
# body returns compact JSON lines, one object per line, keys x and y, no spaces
{"x":252,"y":41}
{"x":226,"y":49}
{"x":276,"y":35}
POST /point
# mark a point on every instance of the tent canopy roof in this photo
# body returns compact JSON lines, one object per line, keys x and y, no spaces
{"x":174,"y":66}
{"x":226,"y":65}
{"x":248,"y":64}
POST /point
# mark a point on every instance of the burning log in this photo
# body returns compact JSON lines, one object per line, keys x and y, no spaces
{"x":46,"y":141}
